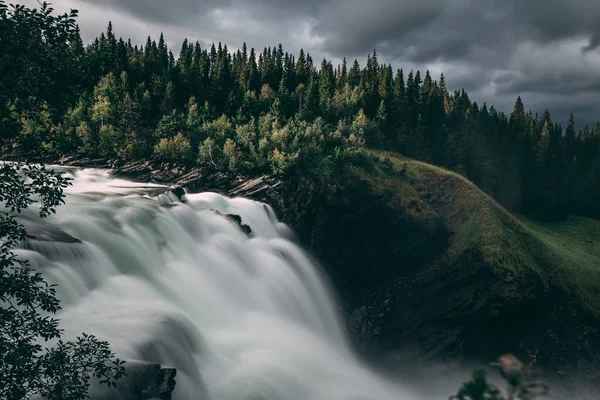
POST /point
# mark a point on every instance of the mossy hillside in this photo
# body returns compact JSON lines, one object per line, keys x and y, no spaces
{"x":565,"y":255}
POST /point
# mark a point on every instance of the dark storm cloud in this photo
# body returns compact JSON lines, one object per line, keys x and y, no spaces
{"x":547,"y":51}
{"x":551,"y":20}
{"x":191,"y":11}
{"x":357,"y":26}
{"x":564,"y":83}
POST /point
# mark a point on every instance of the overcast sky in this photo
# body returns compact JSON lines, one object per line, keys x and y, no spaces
{"x":547,"y":51}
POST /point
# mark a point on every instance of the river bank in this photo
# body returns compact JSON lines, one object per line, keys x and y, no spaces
{"x":193,"y":179}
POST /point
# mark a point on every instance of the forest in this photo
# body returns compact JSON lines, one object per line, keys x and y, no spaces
{"x":254,"y":112}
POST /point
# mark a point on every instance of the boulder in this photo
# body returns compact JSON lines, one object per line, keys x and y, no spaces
{"x":179,"y":192}
{"x":238,"y":220}
{"x":143,"y":382}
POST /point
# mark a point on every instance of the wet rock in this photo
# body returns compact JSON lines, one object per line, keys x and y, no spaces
{"x":88,"y":163}
{"x":133,"y":169}
{"x":162,"y":176}
{"x":254,"y":188}
{"x":192,"y":179}
{"x":137,"y":170}
{"x":151,"y":381}
{"x":143,"y":382}
{"x":238,"y":220}
{"x":179,"y":192}
{"x":67,"y":160}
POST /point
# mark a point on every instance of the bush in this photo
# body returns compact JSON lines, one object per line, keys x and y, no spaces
{"x":282,"y":162}
{"x":110,"y":139}
{"x":230,"y":152}
{"x":210,"y":154}
{"x":177,"y":148}
{"x":88,"y":138}
{"x":169,"y":126}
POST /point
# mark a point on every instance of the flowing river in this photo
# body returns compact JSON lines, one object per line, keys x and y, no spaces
{"x":239,"y":316}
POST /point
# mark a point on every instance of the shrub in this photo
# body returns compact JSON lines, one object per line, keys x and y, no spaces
{"x":177,"y":148}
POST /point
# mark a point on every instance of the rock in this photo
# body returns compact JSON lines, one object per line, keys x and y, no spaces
{"x":89,"y":163}
{"x":162,"y":176}
{"x":179,"y":192}
{"x":238,"y":220}
{"x":151,"y":381}
{"x":143,"y":382}
{"x":137,"y":169}
{"x":218,"y":180}
{"x":192,"y":180}
{"x":67,"y":160}
{"x":254,"y":187}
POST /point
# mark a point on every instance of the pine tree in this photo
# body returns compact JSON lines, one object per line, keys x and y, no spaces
{"x":354,"y":74}
{"x":344,"y":73}
{"x":326,"y":87}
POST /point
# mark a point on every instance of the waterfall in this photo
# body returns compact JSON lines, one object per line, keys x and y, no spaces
{"x":240,"y":316}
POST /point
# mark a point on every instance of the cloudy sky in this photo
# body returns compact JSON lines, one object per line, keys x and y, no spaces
{"x":547,"y":51}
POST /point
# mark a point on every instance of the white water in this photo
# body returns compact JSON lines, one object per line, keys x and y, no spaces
{"x":178,"y":284}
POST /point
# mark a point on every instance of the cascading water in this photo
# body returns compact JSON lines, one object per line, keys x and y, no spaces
{"x":181,"y":285}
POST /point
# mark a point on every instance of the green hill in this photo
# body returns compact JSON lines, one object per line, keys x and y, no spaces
{"x":565,"y":254}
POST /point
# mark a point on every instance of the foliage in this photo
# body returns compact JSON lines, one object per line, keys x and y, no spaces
{"x":176,"y":148}
{"x":27,"y":302}
{"x":39,"y":61}
{"x":511,"y":369}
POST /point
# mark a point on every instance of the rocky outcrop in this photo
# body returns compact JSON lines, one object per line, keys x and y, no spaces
{"x":150,"y":381}
{"x":143,"y":382}
{"x":179,"y":192}
{"x":238,"y":220}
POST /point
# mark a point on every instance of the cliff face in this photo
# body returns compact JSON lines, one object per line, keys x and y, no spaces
{"x":427,"y":267}
{"x":407,"y":286}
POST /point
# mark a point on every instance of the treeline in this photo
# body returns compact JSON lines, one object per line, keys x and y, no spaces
{"x":271,"y":111}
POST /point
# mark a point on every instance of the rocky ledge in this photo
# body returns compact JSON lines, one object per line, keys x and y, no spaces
{"x":143,"y":382}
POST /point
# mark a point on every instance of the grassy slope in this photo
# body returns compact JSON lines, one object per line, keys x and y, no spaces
{"x":565,"y":254}
{"x":572,"y":249}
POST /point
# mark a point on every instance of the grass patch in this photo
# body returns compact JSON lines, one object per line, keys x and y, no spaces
{"x":564,"y":255}
{"x":572,"y":249}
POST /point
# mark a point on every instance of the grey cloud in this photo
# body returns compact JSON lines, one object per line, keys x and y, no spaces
{"x":155,"y":10}
{"x":194,"y":11}
{"x":565,"y":82}
{"x":594,"y":42}
{"x":550,"y":20}
{"x":357,"y":26}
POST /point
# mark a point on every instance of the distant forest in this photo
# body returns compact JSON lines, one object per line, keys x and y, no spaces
{"x":252,"y":112}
